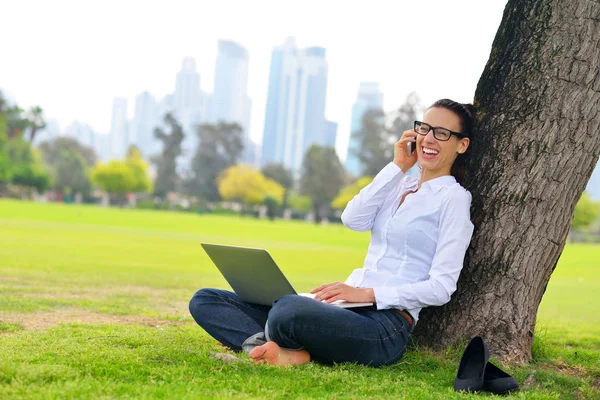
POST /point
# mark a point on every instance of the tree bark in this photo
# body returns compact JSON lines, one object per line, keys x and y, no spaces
{"x":534,"y":148}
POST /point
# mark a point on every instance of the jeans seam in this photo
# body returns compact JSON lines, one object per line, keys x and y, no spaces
{"x":401,"y":351}
{"x":313,"y":330}
{"x":395,"y":357}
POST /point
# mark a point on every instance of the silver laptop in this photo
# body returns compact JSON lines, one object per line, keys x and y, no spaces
{"x":254,"y":276}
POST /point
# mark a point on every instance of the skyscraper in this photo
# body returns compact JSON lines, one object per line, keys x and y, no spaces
{"x":295,"y":116}
{"x":187,"y":86}
{"x":145,"y":119}
{"x":81,"y":132}
{"x":118,"y":128}
{"x":330,"y":134}
{"x":369,"y":98}
{"x":190,"y":105}
{"x":102,"y":146}
{"x":229,"y":102}
{"x":165,"y":105}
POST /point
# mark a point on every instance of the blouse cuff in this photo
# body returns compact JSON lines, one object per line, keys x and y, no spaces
{"x":385,"y":297}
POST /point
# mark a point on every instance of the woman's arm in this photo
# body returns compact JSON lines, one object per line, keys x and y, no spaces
{"x":360,"y":212}
{"x":455,"y":235}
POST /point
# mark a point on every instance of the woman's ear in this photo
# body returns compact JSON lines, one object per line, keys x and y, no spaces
{"x":464,"y":145}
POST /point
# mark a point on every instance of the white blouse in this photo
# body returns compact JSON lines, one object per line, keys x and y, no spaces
{"x":416,"y":251}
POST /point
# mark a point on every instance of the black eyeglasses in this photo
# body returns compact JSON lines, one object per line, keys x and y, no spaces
{"x":441,"y":134}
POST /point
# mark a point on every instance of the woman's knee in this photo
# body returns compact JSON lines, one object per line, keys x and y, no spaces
{"x":199,"y":299}
{"x":288,"y":310}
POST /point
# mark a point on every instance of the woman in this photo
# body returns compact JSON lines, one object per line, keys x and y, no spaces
{"x":420,"y":231}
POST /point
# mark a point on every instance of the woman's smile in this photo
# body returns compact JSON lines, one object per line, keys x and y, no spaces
{"x":429,"y":153}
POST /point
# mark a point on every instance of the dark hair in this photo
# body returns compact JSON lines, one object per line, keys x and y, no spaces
{"x":466,"y":114}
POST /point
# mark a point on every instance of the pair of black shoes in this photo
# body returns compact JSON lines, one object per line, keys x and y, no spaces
{"x":476,"y":373}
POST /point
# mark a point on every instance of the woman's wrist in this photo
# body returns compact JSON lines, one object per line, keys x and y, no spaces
{"x":404,"y":169}
{"x":369,"y":294}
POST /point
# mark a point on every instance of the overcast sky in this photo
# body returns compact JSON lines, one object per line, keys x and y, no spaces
{"x":73,"y":57}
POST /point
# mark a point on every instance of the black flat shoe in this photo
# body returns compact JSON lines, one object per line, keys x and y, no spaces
{"x":497,"y":381}
{"x":472,"y":366}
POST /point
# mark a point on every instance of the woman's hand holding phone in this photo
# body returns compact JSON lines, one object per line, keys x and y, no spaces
{"x":401,"y":156}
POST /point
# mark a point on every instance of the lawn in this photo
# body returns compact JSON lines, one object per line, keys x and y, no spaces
{"x":93,"y":304}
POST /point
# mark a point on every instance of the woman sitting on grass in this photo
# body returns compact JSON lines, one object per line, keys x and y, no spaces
{"x":420,"y":231}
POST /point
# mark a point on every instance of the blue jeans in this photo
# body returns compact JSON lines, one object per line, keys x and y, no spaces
{"x":330,"y":334}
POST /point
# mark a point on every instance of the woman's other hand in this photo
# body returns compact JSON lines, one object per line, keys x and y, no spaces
{"x":331,"y":292}
{"x":401,"y":157}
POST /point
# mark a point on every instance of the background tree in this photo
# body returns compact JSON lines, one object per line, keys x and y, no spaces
{"x":404,"y":117}
{"x":586,"y":212}
{"x":51,"y":151}
{"x":348,"y":192}
{"x":533,"y":151}
{"x":26,"y":168}
{"x":166,"y":174}
{"x":19,"y":162}
{"x":247,"y":185}
{"x":299,"y":203}
{"x":3,"y":103}
{"x":69,"y":163}
{"x":5,"y":174}
{"x":16,"y":121}
{"x":279,"y":173}
{"x":220,"y":146}
{"x":375,"y":150}
{"x":121,"y":177}
{"x":35,"y":116}
{"x":115,"y":178}
{"x":379,"y":131}
{"x":139,"y":168}
{"x":322,"y":177}
{"x":70,"y":174}
{"x":274,"y":190}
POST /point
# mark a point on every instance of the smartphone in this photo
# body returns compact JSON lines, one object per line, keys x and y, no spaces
{"x":411,"y":146}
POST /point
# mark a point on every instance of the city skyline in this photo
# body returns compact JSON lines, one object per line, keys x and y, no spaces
{"x":143,"y":54}
{"x":303,"y":108}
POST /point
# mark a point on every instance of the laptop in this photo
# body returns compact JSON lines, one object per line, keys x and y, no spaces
{"x":254,"y":276}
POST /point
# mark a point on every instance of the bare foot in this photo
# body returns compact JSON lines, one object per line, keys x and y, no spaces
{"x":271,"y":353}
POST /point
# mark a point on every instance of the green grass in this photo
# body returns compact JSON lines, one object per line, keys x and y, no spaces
{"x":93,"y":304}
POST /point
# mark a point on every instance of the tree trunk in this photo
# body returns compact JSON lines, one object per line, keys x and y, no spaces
{"x":316,"y":209}
{"x":536,"y":143}
{"x":33,"y":132}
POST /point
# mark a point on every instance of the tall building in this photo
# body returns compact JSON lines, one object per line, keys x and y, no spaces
{"x":190,"y":107}
{"x":165,"y":105}
{"x":593,"y":186}
{"x":145,"y":119}
{"x":81,"y":132}
{"x":230,"y":102}
{"x":369,"y":98}
{"x":295,"y":116}
{"x":119,"y":128}
{"x":187,"y":85}
{"x":102,"y":146}
{"x":330,"y":134}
